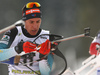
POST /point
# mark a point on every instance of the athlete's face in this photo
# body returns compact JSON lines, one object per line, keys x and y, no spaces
{"x":33,"y":25}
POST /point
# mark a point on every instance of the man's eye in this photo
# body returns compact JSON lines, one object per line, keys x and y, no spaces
{"x":38,"y":21}
{"x":32,"y":22}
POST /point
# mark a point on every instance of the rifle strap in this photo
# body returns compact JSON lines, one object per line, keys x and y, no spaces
{"x":58,"y":53}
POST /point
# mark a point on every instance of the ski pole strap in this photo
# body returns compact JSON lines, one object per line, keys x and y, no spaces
{"x":58,"y":53}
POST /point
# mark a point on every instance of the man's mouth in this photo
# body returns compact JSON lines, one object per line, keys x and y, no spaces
{"x":34,"y":30}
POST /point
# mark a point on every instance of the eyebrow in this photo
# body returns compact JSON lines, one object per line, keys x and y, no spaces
{"x":38,"y":20}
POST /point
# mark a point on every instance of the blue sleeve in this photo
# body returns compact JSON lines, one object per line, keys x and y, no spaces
{"x":45,"y":66}
{"x":7,"y":55}
{"x":3,"y":46}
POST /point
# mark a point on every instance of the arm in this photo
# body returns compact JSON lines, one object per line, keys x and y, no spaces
{"x":45,"y":65}
{"x":7,"y":53}
{"x":5,"y":43}
{"x":27,"y":47}
{"x":93,"y":48}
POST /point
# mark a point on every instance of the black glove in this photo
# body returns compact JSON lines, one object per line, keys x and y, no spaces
{"x":27,"y":47}
{"x":19,"y":47}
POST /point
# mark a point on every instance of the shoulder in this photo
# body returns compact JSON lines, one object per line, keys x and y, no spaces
{"x":8,"y":36}
{"x":45,"y":31}
{"x":11,"y":32}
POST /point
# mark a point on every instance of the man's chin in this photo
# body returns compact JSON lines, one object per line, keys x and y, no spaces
{"x":33,"y":33}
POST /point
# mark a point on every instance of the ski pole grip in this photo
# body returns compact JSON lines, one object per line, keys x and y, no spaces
{"x":87,"y":31}
{"x":17,"y":59}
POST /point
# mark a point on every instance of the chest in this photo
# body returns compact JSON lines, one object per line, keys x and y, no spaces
{"x":20,"y":36}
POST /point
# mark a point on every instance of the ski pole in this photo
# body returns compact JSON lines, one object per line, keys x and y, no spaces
{"x":86,"y":33}
{"x":11,"y":26}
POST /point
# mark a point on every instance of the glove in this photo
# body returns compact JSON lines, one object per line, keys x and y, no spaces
{"x":45,"y":47}
{"x":93,"y":48}
{"x":27,"y":47}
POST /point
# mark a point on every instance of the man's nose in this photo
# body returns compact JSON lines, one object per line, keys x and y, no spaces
{"x":35,"y":26}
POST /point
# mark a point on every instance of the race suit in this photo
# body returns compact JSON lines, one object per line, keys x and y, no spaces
{"x":11,"y":38}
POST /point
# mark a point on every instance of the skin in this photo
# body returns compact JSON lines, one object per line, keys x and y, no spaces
{"x":32,"y":25}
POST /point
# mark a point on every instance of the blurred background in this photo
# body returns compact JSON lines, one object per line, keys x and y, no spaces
{"x":63,"y":17}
